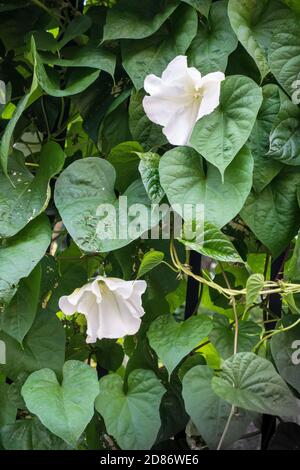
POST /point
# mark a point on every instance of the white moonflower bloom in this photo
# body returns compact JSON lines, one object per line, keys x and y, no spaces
{"x":180,"y":98}
{"x":112,"y":307}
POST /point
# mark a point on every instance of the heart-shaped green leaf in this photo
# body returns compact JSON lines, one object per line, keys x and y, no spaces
{"x":208,"y":411}
{"x":219,"y":136}
{"x":172,"y":340}
{"x":64,"y":409}
{"x":184,"y":182}
{"x":84,"y":187}
{"x":251,"y":382}
{"x":125,"y":414}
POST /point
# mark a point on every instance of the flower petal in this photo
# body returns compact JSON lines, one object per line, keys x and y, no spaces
{"x":161,"y":109}
{"x":211,"y":84}
{"x":195,"y":76}
{"x":86,"y":303}
{"x":124,"y":288}
{"x":179,"y":128}
{"x":93,"y":323}
{"x":116,"y":321}
{"x":66,"y":306}
{"x":175,"y":70}
{"x":95,"y":288}
{"x":68,"y":303}
{"x":152,"y":84}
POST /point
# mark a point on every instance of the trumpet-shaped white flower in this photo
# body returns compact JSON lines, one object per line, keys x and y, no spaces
{"x":180,"y":98}
{"x":112,"y":307}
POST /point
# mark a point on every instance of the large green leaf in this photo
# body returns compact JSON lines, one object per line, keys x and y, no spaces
{"x":208,"y":411}
{"x":43,"y":346}
{"x":84,"y":187}
{"x":148,"y":134}
{"x":285,"y":348}
{"x":265,"y":168}
{"x":21,"y":253}
{"x":152,"y":55}
{"x":215,"y":245}
{"x":254,"y":23}
{"x":172,"y":341}
{"x":17,"y":318}
{"x":30,"y":434}
{"x":184,"y":182}
{"x":64,"y":409}
{"x":274,"y":215}
{"x":132,"y":19}
{"x":285,"y":135}
{"x":214,"y":41}
{"x":28,"y":196}
{"x":251,"y":382}
{"x":219,"y":136}
{"x":49,"y":79}
{"x":125,"y":414}
{"x":222,"y":335}
{"x":284,"y":55}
